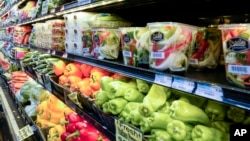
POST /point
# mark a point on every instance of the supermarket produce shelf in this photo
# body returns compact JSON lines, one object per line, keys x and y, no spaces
{"x":210,"y":84}
{"x":17,"y":117}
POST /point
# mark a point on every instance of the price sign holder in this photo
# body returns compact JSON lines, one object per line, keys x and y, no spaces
{"x":25,"y":132}
{"x":183,"y":85}
{"x":45,"y":7}
{"x":163,"y":80}
{"x":209,"y":91}
{"x":126,"y":132}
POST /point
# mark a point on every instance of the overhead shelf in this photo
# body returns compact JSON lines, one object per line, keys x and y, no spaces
{"x":210,"y":84}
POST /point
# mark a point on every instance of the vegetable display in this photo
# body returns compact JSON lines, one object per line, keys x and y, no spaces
{"x":235,"y":38}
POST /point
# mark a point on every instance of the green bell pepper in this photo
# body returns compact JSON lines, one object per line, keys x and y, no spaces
{"x":236,"y":114}
{"x":177,"y":129}
{"x":116,"y":105}
{"x":195,"y":100}
{"x":187,"y":112}
{"x":155,"y":99}
{"x":105,"y":81}
{"x":101,"y":98}
{"x":223,"y":126}
{"x":125,"y":114}
{"x":133,"y":95}
{"x":136,"y":116}
{"x":117,"y":88}
{"x":247,"y":121}
{"x":159,"y":135}
{"x":105,"y":108}
{"x":142,"y":86}
{"x":204,"y":133}
{"x":215,"y":110}
{"x":164,"y":109}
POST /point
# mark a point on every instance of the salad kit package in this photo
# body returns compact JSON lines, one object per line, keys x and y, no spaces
{"x":236,"y":48}
{"x":105,"y":43}
{"x":135,"y":46}
{"x":206,"y":51}
{"x":170,"y":45}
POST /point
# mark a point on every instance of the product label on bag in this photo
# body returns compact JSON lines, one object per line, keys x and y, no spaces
{"x":45,"y":7}
{"x":125,"y":132}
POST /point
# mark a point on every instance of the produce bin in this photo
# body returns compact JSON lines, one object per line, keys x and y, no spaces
{"x":56,"y":88}
{"x":107,"y":120}
{"x":86,"y":102}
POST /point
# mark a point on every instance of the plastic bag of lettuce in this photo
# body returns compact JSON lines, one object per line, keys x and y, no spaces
{"x":30,"y":95}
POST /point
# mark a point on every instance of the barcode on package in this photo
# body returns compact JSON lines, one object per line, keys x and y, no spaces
{"x":157,"y":55}
{"x":193,"y":61}
{"x":127,"y":53}
{"x":239,"y":69}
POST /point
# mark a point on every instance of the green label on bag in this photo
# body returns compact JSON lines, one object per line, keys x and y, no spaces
{"x":125,"y":132}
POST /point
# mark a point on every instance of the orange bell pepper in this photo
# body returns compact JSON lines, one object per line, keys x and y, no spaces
{"x":74,"y":79}
{"x":59,"y":67}
{"x":84,"y":86}
{"x":72,"y":70}
{"x":86,"y":69}
{"x":63,"y":79}
{"x":95,"y":80}
{"x":103,"y":71}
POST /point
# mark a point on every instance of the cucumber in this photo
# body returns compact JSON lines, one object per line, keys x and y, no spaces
{"x":50,"y":72}
{"x":40,"y":66}
{"x":42,"y":56}
{"x":46,"y":70}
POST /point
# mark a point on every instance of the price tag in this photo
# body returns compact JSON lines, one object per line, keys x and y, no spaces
{"x":52,"y":10}
{"x":65,"y":55}
{"x":45,"y":7}
{"x":53,"y":52}
{"x":125,"y":132}
{"x":163,"y":80}
{"x":62,"y":8}
{"x":48,"y":51}
{"x":25,"y":132}
{"x":209,"y":91}
{"x":183,"y":85}
{"x":83,"y":2}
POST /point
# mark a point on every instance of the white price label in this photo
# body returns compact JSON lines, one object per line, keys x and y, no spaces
{"x":97,"y":50}
{"x":52,"y":10}
{"x":125,"y":132}
{"x":25,"y":132}
{"x":183,"y":85}
{"x":65,"y":55}
{"x":62,"y":8}
{"x":163,"y":80}
{"x":53,"y":52}
{"x":48,"y":51}
{"x":85,"y":50}
{"x":83,"y":2}
{"x":45,"y":7}
{"x":157,"y":55}
{"x":209,"y":91}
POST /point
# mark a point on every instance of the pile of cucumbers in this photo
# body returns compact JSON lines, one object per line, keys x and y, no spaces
{"x":40,"y":62}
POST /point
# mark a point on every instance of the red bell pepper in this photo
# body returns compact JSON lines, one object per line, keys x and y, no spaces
{"x":64,"y":136}
{"x":202,"y":49}
{"x":73,"y":118}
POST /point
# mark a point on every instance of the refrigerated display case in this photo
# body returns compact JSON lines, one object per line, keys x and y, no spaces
{"x":208,"y":84}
